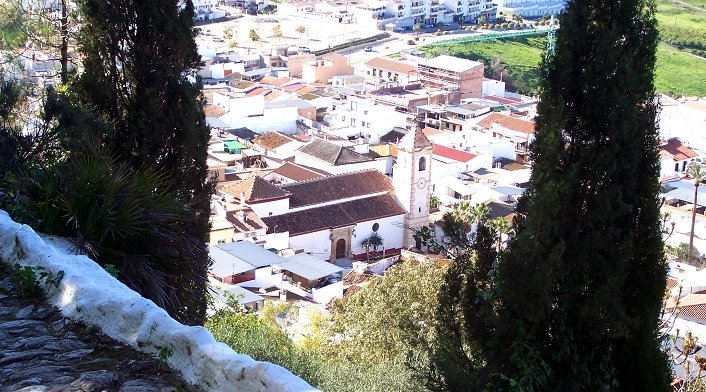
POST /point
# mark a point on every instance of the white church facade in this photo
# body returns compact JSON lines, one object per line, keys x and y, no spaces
{"x":331,"y":217}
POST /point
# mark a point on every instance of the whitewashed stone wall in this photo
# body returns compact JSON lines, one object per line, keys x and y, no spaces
{"x":89,"y":294}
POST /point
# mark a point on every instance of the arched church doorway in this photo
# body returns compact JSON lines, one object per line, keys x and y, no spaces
{"x":340,"y":248}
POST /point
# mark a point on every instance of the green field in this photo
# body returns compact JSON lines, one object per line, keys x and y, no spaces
{"x":682,"y":25}
{"x":681,"y":13}
{"x":678,"y":73}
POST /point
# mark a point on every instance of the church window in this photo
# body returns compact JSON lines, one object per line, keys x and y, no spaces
{"x":422,"y":164}
{"x":376,"y":227}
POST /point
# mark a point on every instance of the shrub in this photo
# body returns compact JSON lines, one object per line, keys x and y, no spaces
{"x":122,"y":218}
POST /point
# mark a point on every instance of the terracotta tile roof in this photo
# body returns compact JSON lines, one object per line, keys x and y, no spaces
{"x":272,"y":140}
{"x":452,"y":153}
{"x":213,"y":110}
{"x":677,"y":150}
{"x":511,"y":123}
{"x":245,"y":221}
{"x":256,"y":91}
{"x":331,"y":153}
{"x":293,"y":87}
{"x":342,"y":186}
{"x":430,"y":131}
{"x":272,"y":95}
{"x":306,"y":90}
{"x":271,"y":80}
{"x":296,"y":172}
{"x":334,"y":215}
{"x":255,"y":189}
{"x":671,"y":283}
{"x":355,"y":277}
{"x":692,"y":306}
{"x":391,"y":65}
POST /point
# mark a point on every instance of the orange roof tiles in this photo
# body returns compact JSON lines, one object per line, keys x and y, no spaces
{"x":514,"y":124}
{"x":272,"y":140}
{"x":213,"y":111}
{"x":391,"y":65}
{"x":452,"y":153}
{"x":677,"y":150}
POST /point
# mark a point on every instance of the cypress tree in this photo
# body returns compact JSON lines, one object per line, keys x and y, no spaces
{"x":581,"y":285}
{"x":139,"y":61}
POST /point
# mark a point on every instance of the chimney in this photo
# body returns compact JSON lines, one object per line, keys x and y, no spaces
{"x":242,"y":199}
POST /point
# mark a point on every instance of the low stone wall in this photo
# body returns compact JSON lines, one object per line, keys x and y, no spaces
{"x":89,"y":294}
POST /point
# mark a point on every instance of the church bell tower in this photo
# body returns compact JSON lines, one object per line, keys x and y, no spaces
{"x":412,"y":181}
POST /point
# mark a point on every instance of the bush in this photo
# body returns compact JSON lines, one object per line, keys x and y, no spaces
{"x":122,"y":218}
{"x":411,"y":42}
{"x":248,"y":334}
{"x":437,"y":33}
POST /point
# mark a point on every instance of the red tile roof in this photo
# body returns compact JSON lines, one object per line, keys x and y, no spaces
{"x":213,"y":111}
{"x":430,"y":131}
{"x":255,"y":91}
{"x":293,"y":87}
{"x":334,"y":215}
{"x":255,"y":189}
{"x":272,"y":140}
{"x":677,"y":150}
{"x":296,"y":172}
{"x":511,"y":123}
{"x":342,"y":186}
{"x":391,"y":65}
{"x":452,"y":153}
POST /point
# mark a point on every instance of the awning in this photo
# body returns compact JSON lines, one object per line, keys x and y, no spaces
{"x":686,"y":195}
{"x":309,"y":267}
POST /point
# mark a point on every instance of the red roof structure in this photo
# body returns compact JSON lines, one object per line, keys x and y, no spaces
{"x":511,"y":123}
{"x":452,"y":153}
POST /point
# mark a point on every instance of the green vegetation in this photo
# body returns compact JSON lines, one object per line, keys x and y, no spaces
{"x":677,"y":72}
{"x":363,"y":345}
{"x":558,"y":309}
{"x":115,"y":158}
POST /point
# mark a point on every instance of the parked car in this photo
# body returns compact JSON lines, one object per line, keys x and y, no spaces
{"x":368,"y":48}
{"x":218,"y":39}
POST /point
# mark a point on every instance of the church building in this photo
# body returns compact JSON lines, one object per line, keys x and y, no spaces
{"x":332,"y":217}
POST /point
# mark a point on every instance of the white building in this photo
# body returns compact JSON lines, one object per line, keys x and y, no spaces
{"x":403,"y":14}
{"x":531,"y":8}
{"x":362,"y":116}
{"x":675,"y":157}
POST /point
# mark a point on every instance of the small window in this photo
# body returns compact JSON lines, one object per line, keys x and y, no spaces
{"x":422,"y":164}
{"x":270,"y":213}
{"x":376,"y":226}
{"x":420,"y":209}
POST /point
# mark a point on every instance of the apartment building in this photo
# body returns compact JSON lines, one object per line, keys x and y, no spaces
{"x":462,"y":78}
{"x":382,"y":69}
{"x":403,"y":14}
{"x":507,"y":128}
{"x":531,"y":8}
